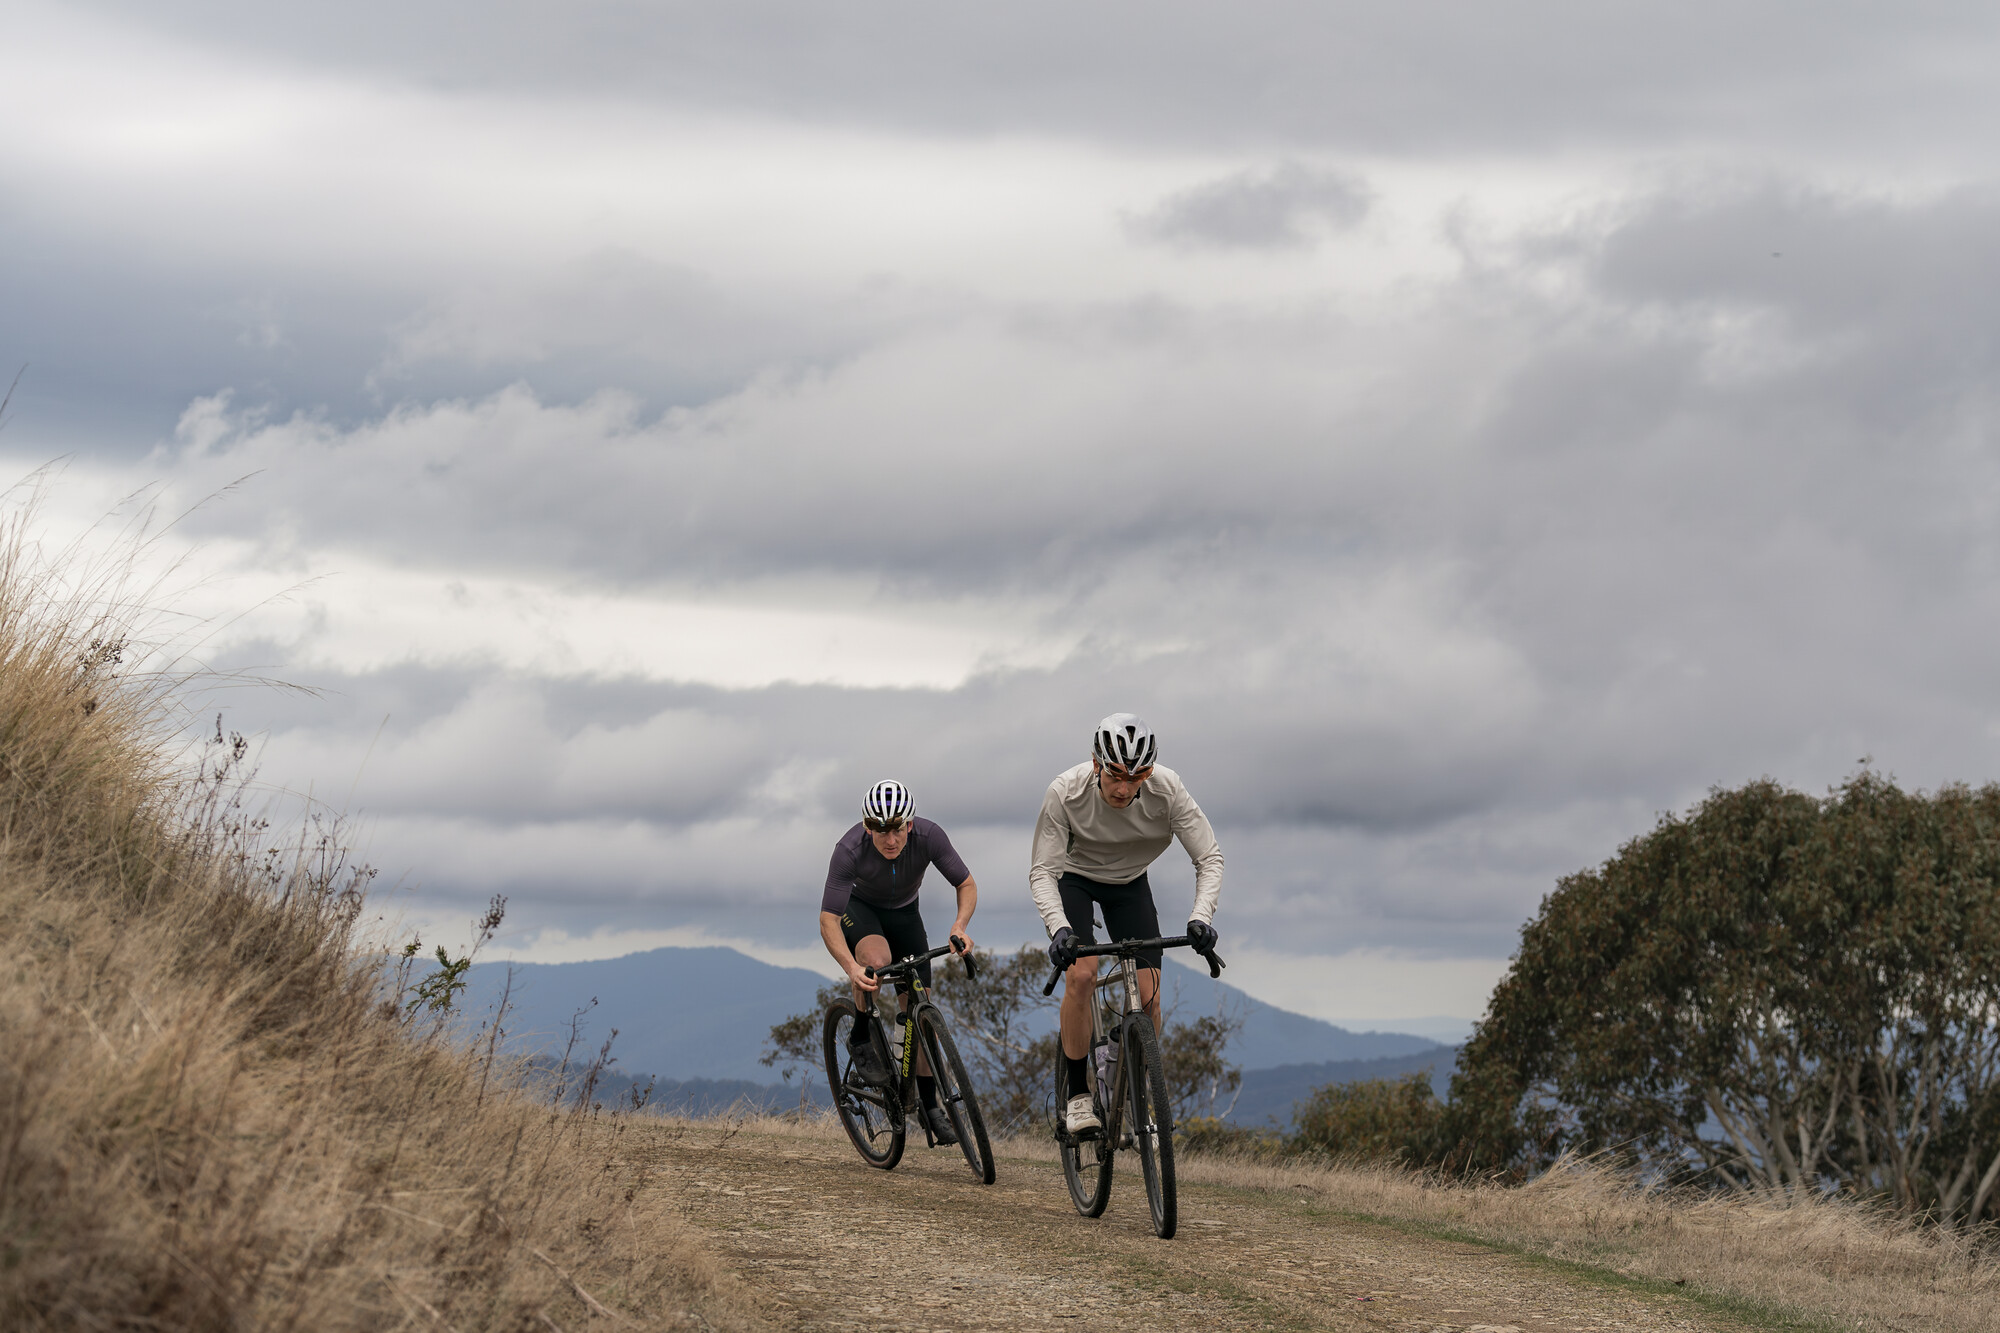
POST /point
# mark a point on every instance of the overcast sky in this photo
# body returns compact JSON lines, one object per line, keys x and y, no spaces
{"x":1463,"y":432}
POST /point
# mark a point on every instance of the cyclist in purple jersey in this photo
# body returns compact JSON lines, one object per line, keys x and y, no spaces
{"x":868,"y":916}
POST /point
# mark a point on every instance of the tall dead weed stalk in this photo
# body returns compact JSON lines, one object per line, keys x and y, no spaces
{"x":208,"y":1116}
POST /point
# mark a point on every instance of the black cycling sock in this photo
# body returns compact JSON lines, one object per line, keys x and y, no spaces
{"x":859,"y":1037}
{"x":927,"y":1089}
{"x":1077,"y":1088}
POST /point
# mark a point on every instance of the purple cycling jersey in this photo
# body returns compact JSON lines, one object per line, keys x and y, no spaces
{"x":859,"y":871}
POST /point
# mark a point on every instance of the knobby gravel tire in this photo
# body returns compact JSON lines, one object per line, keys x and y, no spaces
{"x":872,"y":1116}
{"x":955,"y":1093}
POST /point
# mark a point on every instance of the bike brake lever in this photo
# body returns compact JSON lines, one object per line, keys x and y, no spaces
{"x":1056,"y":976}
{"x":1215,"y":963}
{"x":965,"y":956}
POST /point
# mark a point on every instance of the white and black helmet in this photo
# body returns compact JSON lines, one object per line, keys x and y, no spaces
{"x":888,"y":804}
{"x":1123,"y":740}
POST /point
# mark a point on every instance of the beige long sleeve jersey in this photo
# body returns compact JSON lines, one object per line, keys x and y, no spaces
{"x":1079,"y":830}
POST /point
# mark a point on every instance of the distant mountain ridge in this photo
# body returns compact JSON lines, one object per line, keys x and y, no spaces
{"x":1274,"y":1036}
{"x":681,"y":1014}
{"x":695,"y":1014}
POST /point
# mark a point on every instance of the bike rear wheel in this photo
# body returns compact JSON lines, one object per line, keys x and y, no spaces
{"x":955,"y":1093}
{"x":1152,"y":1119}
{"x":1086,"y":1163}
{"x":872,"y":1116}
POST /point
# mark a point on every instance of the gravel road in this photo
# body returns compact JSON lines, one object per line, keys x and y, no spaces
{"x":823,"y":1242}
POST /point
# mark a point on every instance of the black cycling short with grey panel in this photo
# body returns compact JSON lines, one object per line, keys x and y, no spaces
{"x":903,"y":927}
{"x":1129,"y":913}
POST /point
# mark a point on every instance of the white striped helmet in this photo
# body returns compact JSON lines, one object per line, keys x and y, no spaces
{"x":889,"y":804}
{"x":1123,"y":740}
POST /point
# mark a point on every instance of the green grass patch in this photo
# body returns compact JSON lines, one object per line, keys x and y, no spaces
{"x":1755,"y":1314}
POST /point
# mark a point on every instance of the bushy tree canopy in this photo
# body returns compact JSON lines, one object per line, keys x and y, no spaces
{"x":1775,"y":991}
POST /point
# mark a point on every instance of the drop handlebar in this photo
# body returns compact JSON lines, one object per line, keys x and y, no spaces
{"x":1126,"y":948}
{"x":903,"y":967}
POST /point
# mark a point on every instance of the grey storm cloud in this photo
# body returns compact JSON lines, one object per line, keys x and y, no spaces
{"x":115,"y":342}
{"x":1437,"y":588}
{"x":1417,"y":660}
{"x":1426,"y":75}
{"x":1285,"y":206}
{"x":1668,"y":406}
{"x":632,"y":765}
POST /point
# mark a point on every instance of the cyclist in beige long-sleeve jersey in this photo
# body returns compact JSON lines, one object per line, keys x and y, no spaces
{"x":1102,"y":824}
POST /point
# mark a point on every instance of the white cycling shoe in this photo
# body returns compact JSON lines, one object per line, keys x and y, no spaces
{"x":1080,"y":1115}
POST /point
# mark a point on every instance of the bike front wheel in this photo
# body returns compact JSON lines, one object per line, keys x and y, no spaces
{"x":871,"y":1115}
{"x":1086,"y":1163}
{"x":1152,"y":1119}
{"x":955,"y":1093}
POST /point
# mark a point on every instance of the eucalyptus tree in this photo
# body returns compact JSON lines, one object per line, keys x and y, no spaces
{"x":1772,"y":992}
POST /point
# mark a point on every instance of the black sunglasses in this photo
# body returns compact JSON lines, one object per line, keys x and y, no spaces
{"x":874,"y":825}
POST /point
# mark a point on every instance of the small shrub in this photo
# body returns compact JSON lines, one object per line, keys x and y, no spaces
{"x":1215,"y":1137}
{"x":1398,"y":1120}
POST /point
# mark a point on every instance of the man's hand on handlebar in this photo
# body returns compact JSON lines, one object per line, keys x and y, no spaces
{"x":1201,"y":937}
{"x":1062,"y":949}
{"x":858,"y":975}
{"x":961,"y":943}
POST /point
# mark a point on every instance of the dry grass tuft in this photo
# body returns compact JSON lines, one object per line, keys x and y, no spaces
{"x":1845,"y":1264}
{"x":208,"y":1118}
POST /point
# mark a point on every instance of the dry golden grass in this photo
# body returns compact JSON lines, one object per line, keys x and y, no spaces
{"x":1826,"y":1261}
{"x":1830,"y":1260}
{"x":208,"y":1119}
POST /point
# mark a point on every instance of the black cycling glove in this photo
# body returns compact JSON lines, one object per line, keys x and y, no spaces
{"x":1202,"y":936}
{"x":1062,"y":949}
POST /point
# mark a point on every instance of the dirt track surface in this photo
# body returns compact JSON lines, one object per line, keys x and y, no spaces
{"x":825,"y":1242}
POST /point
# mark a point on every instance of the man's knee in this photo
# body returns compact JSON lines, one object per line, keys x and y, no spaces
{"x":872,"y":951}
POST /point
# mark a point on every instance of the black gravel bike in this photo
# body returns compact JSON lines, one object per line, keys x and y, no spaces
{"x":877,"y":1118}
{"x":1128,"y":1084}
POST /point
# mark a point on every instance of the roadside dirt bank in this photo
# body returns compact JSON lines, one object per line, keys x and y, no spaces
{"x":823,"y":1242}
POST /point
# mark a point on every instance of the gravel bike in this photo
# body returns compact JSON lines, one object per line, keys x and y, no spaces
{"x":877,"y":1118}
{"x":1129,"y":1084}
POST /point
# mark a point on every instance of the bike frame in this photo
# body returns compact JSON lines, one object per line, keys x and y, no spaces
{"x":1136,"y":1075}
{"x":909,"y":981}
{"x":1124,"y":978}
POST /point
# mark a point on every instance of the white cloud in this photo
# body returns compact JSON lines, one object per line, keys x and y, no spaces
{"x":1366,"y":988}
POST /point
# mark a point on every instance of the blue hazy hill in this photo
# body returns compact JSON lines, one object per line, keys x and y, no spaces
{"x":680,"y":1013}
{"x":1274,"y":1036}
{"x":687,"y":1014}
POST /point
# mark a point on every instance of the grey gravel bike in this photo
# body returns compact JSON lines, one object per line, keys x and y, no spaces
{"x":1129,"y":1085}
{"x":876,"y":1117}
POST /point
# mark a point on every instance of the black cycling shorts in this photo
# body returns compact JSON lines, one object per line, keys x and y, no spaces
{"x":903,"y":927}
{"x":1129,"y":913}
